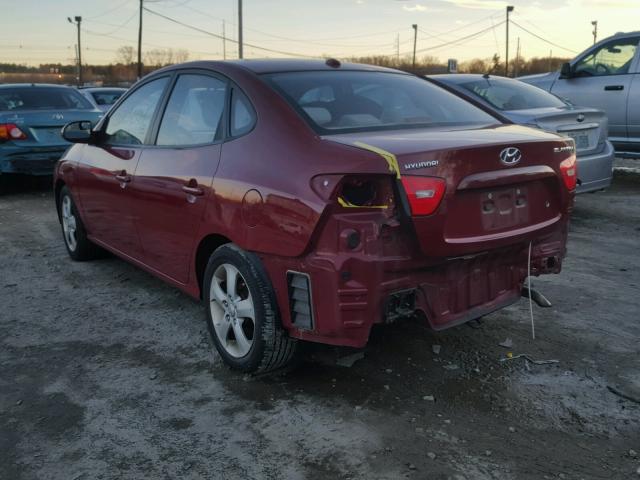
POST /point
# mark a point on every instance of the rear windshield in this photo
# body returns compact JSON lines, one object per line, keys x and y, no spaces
{"x":350,"y":101}
{"x":106,"y":97}
{"x":506,"y":94}
{"x":42,"y":98}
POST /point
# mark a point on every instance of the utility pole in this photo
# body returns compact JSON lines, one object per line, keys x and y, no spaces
{"x":506,"y":57}
{"x":550,"y":57}
{"x":224,"y":42}
{"x":140,"y":42}
{"x":398,"y":48}
{"x":517,"y":65}
{"x":239,"y":28}
{"x":78,"y":21}
{"x":415,"y":41}
{"x":595,"y":31}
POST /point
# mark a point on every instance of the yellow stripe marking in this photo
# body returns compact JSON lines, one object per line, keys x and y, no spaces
{"x":391,"y":159}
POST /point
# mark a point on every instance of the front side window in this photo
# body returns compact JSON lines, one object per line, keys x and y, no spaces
{"x":613,"y":58}
{"x":511,"y":95}
{"x":346,"y":101}
{"x":42,"y":98}
{"x":130,"y":122}
{"x":194,"y":113}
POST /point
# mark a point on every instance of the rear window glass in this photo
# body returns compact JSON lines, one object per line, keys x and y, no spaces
{"x":107,"y":97}
{"x":42,"y":98}
{"x":511,"y":94}
{"x":348,"y":101}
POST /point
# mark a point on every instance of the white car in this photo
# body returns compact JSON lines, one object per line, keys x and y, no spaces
{"x":103,"y":97}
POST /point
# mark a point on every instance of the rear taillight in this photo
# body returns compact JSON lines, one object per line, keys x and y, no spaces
{"x":424,"y":193}
{"x":10,"y":131}
{"x":569,"y":169}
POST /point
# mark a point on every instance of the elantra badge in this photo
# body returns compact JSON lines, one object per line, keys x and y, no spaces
{"x":510,"y":156}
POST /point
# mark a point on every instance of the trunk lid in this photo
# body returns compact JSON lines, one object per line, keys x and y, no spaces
{"x":587,"y":126}
{"x":487,"y":203}
{"x":43,"y":127}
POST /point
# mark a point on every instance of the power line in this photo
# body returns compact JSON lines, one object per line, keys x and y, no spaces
{"x":107,"y":12}
{"x":121,"y":26}
{"x":462,"y":39}
{"x":215,"y":35}
{"x":543,"y":39}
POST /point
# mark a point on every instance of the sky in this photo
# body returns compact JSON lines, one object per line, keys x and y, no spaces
{"x":37,"y":31}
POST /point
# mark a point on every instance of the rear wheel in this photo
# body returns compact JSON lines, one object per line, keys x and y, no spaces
{"x":242,"y":313}
{"x":79,"y":247}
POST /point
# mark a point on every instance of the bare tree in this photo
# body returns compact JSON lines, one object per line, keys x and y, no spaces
{"x":125,"y":55}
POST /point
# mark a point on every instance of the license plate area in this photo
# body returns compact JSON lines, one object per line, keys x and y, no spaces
{"x":504,"y":208}
{"x":581,"y":139}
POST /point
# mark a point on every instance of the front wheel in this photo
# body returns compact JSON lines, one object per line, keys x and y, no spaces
{"x":242,"y":313}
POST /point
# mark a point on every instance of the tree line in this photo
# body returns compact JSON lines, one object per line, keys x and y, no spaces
{"x":124,"y":69}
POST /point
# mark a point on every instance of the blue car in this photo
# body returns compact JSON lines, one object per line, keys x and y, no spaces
{"x":31,"y":119}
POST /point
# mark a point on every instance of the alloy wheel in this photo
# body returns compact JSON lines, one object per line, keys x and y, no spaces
{"x":69,"y":224}
{"x":232,"y":310}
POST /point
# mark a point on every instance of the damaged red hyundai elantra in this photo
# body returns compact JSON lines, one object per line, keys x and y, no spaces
{"x":310,"y":200}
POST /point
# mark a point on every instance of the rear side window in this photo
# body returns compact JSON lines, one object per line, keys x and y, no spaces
{"x":42,"y":98}
{"x":349,"y":101}
{"x":194,"y":113}
{"x":130,"y":122}
{"x":243,"y":116}
{"x":511,"y":94}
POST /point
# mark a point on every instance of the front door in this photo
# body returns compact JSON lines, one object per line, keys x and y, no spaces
{"x":602,"y":79}
{"x":173,"y":178}
{"x":106,"y":175}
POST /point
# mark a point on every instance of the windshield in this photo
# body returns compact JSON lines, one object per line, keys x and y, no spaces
{"x":350,"y":101}
{"x":506,"y":94}
{"x":42,"y":98}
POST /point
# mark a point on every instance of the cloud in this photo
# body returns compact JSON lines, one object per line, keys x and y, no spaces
{"x":360,"y":2}
{"x":479,"y":4}
{"x":416,"y":8}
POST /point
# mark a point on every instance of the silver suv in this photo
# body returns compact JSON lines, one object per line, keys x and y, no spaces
{"x":605,"y":76}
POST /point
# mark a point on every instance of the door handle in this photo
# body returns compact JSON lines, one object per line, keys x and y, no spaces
{"x":192,"y":188}
{"x":614,"y":87}
{"x":123,"y":177}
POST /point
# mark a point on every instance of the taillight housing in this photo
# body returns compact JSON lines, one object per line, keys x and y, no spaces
{"x":424,"y":193}
{"x":366,"y":192}
{"x":569,"y":170}
{"x":10,"y":131}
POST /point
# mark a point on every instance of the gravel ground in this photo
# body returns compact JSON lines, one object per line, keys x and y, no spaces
{"x":108,"y":373}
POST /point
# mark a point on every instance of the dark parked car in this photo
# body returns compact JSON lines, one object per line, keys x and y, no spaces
{"x":304,"y":200}
{"x":31,"y":120}
{"x":528,"y":105}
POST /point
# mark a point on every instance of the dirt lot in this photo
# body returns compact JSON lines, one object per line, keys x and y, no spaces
{"x":107,"y":373}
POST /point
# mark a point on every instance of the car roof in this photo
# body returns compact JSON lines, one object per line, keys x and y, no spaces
{"x":458,"y":78}
{"x":273,"y":65}
{"x":34,"y":85}
{"x":100,"y":89}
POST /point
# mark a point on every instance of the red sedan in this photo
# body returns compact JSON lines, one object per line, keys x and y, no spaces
{"x":309,"y":200}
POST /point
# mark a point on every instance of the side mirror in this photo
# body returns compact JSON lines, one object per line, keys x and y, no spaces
{"x":566,"y":71}
{"x":77,"y":132}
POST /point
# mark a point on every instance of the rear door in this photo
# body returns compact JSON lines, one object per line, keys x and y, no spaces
{"x":173,"y":178}
{"x":634,"y":107}
{"x":107,"y":169}
{"x":602,"y":79}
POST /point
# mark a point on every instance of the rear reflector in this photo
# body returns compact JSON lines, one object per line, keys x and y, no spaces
{"x":569,"y":169}
{"x":10,"y":131}
{"x":424,"y":193}
{"x":300,"y":304}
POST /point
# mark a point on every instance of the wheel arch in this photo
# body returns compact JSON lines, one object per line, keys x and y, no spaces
{"x":57,"y":188}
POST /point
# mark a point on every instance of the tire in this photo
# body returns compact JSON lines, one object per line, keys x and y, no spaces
{"x":79,"y":247}
{"x":250,"y":345}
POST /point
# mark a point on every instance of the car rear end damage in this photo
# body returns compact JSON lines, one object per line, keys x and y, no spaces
{"x":446,"y":235}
